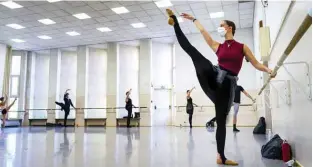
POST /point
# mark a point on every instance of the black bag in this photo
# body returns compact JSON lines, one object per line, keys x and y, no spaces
{"x":260,"y":128}
{"x":273,"y":148}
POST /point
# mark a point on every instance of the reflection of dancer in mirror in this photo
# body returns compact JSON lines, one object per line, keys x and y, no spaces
{"x":191,"y":148}
{"x":129,"y":146}
{"x":217,"y":82}
{"x":66,"y":106}
{"x":5,"y":109}
{"x":189,"y":107}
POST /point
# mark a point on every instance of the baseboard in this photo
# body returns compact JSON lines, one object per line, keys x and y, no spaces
{"x":297,"y":164}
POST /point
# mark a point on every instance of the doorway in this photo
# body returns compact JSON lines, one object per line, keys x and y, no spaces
{"x":161,"y":107}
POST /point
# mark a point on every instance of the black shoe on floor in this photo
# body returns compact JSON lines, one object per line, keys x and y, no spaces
{"x":236,"y":130}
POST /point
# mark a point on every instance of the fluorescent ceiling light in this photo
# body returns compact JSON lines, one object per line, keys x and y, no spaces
{"x":217,"y":15}
{"x":120,"y":10}
{"x":180,"y":19}
{"x":51,"y":1}
{"x":138,"y":25}
{"x":73,"y":33}
{"x":104,"y":29}
{"x":44,"y":37}
{"x":163,"y":3}
{"x":15,"y":26}
{"x":11,"y":5}
{"x":46,"y":21}
{"x":81,"y":16}
{"x":18,"y":40}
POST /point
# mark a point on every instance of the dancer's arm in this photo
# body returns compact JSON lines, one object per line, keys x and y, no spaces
{"x":188,"y":94}
{"x":5,"y":99}
{"x":212,"y":43}
{"x":67,"y":91}
{"x":248,"y":95}
{"x":127,"y":96}
{"x":71,"y":103}
{"x":248,"y":54}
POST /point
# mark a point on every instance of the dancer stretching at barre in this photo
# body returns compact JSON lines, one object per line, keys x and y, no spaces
{"x":129,"y":107}
{"x":189,"y":107}
{"x":5,"y":109}
{"x":218,"y":82}
{"x":237,"y":99}
{"x":66,"y":106}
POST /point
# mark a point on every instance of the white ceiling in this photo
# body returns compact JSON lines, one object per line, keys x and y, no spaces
{"x":102,"y":16}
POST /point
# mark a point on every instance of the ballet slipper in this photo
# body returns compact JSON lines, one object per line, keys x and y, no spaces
{"x":227,"y":162}
{"x":170,"y":19}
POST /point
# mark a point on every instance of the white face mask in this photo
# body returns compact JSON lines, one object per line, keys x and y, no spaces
{"x":221,"y":31}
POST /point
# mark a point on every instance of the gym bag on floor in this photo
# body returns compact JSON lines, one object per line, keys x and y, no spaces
{"x":273,"y":148}
{"x":260,"y":128}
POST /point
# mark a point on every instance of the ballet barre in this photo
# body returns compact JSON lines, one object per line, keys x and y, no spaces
{"x":305,"y":25}
{"x":214,"y":106}
{"x":100,"y":108}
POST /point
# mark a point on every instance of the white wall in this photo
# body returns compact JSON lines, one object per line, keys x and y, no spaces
{"x":97,"y":79}
{"x":41,"y":85}
{"x":292,"y":122}
{"x":3,"y":52}
{"x":128,"y":76}
{"x":68,"y":79}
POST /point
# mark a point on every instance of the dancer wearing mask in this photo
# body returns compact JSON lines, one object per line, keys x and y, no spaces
{"x":218,"y":82}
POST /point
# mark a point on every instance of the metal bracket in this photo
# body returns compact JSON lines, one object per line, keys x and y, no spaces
{"x":299,"y":85}
{"x":287,"y":98}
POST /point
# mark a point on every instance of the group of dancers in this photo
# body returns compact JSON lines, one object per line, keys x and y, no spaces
{"x":218,"y":82}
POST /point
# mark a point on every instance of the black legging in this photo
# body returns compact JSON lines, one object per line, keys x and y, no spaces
{"x":129,"y":110}
{"x":190,"y":119}
{"x":66,"y":111}
{"x":219,"y":95}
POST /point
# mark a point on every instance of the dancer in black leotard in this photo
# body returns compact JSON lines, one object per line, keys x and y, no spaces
{"x":218,"y":82}
{"x":66,"y":106}
{"x":129,"y":107}
{"x":189,"y":107}
{"x":5,"y":109}
{"x":239,"y":89}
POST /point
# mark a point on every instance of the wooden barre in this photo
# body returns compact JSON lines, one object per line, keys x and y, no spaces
{"x":305,"y":25}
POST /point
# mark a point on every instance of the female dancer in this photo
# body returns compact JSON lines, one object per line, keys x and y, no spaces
{"x":238,"y":91}
{"x":218,"y":82}
{"x":189,"y":107}
{"x":129,"y":107}
{"x":66,"y":105}
{"x":4,"y":109}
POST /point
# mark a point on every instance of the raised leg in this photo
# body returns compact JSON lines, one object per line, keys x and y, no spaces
{"x":206,"y":72}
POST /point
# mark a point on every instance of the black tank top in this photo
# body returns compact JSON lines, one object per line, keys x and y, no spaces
{"x":189,"y":103}
{"x":129,"y":103}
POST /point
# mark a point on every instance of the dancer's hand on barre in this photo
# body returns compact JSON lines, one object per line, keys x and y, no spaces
{"x":272,"y":75}
{"x":187,"y":16}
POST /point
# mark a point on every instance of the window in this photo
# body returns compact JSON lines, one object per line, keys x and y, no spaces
{"x":14,"y":86}
{"x":16,"y":65}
